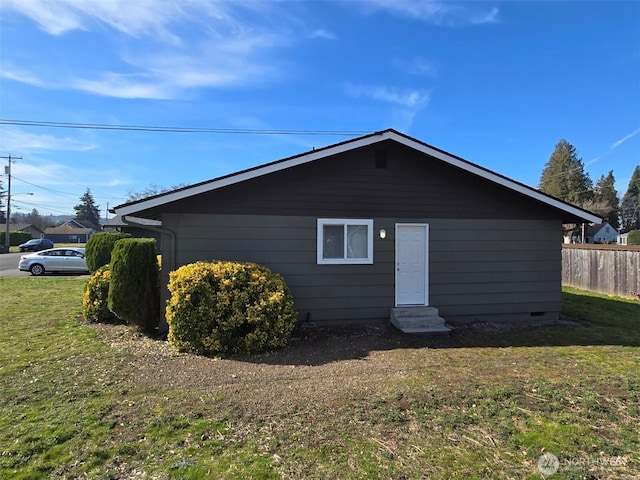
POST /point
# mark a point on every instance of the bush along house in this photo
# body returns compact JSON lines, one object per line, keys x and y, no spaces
{"x":382,"y":227}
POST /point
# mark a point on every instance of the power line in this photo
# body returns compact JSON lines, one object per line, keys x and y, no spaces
{"x":41,"y":207}
{"x":46,"y":188}
{"x":150,"y":128}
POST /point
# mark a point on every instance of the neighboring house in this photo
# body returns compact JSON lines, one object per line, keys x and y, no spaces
{"x":82,"y":224}
{"x":113,"y":224}
{"x":116,"y":224}
{"x":373,"y":223}
{"x":69,"y":232}
{"x":35,"y":232}
{"x":623,"y":238}
{"x":601,"y":233}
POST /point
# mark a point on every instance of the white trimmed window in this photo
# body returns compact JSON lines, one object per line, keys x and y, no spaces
{"x":345,"y":241}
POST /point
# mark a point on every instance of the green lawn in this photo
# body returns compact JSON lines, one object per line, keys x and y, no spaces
{"x":72,"y":408}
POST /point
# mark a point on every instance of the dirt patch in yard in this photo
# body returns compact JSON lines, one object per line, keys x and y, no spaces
{"x":321,"y":366}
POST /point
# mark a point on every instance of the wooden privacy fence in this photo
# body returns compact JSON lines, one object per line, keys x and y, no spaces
{"x":609,"y":269}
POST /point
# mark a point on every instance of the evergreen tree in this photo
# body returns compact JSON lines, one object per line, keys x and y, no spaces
{"x":34,"y":218}
{"x":564,"y":177}
{"x":87,"y":209}
{"x":630,"y":206}
{"x":605,"y":200}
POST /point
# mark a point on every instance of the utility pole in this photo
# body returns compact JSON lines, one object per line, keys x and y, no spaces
{"x":7,"y":171}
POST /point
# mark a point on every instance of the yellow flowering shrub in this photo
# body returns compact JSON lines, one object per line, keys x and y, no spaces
{"x":228,"y":308}
{"x":96,"y":293}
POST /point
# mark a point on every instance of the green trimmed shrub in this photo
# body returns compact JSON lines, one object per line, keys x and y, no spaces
{"x":95,"y":298}
{"x":98,"y":249}
{"x":228,"y":308}
{"x":15,"y":238}
{"x":134,"y":294}
{"x":634,"y":237}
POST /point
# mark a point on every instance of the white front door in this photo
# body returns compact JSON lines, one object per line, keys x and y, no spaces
{"x":412,"y":260}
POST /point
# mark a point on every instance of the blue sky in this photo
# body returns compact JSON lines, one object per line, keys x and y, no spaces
{"x":498,"y":83}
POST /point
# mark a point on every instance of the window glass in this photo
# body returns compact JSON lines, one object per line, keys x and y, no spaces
{"x":333,"y":241}
{"x":345,"y":241}
{"x":356,"y":241}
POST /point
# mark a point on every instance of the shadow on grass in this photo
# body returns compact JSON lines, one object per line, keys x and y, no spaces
{"x":586,"y":320}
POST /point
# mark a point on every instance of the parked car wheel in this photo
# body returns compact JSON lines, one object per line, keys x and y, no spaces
{"x":37,"y":269}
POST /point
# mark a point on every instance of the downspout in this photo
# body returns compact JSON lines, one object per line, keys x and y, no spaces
{"x":163,"y":327}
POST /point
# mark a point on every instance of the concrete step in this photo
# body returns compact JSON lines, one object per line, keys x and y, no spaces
{"x":414,"y":312}
{"x":418,"y":320}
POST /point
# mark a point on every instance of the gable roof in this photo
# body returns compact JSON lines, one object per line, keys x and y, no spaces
{"x":66,"y":228}
{"x":594,"y":229}
{"x":16,"y":227}
{"x":81,"y":223}
{"x":139,"y":207}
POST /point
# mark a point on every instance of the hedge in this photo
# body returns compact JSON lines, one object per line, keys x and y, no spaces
{"x":95,"y":298}
{"x":134,"y":289}
{"x":99,"y":247}
{"x":15,"y":237}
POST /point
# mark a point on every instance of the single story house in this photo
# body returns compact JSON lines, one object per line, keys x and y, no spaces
{"x":601,"y":233}
{"x":35,"y":231}
{"x":70,"y":232}
{"x":373,"y":223}
{"x":117,"y":224}
{"x":623,"y":239}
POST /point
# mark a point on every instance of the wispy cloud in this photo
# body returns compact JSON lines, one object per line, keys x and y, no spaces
{"x":414,"y":99}
{"x":137,"y":18}
{"x":228,"y":44}
{"x":124,"y":86}
{"x":324,"y":34}
{"x":405,"y":103}
{"x":20,"y":75}
{"x":435,"y":12}
{"x":614,"y":145}
{"x":624,"y":139}
{"x":24,"y":142}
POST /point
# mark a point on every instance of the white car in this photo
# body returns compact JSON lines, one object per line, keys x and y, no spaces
{"x":54,"y":260}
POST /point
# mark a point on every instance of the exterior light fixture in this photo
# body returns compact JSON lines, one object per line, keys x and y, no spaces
{"x":383,"y":233}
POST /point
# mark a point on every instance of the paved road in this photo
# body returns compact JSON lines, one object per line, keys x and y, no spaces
{"x":9,"y":265}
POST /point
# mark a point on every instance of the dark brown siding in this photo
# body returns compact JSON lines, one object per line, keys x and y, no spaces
{"x":494,"y":254}
{"x":479,"y":269}
{"x":349,"y":185}
{"x":495,"y":269}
